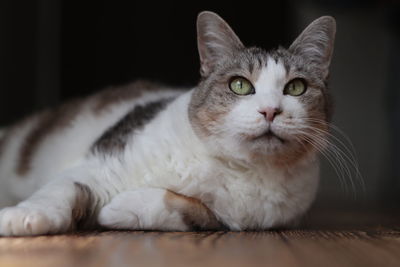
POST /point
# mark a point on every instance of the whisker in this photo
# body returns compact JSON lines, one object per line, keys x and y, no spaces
{"x":339,"y":131}
{"x":350,"y":152}
{"x":340,"y":153}
{"x":338,"y":168}
{"x":350,"y":155}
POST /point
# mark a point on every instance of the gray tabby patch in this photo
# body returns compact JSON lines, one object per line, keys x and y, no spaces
{"x":115,"y":138}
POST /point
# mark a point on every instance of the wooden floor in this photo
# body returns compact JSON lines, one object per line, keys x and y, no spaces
{"x":375,"y":242}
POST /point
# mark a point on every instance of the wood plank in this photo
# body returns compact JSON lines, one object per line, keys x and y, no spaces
{"x":268,"y":248}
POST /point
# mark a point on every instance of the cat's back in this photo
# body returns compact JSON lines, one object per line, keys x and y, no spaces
{"x":43,"y":144}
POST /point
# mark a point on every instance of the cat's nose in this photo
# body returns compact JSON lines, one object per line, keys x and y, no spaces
{"x":270,"y":113}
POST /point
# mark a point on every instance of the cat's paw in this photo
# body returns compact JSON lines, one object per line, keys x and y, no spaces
{"x":141,"y":209}
{"x":112,"y":216}
{"x":24,"y":221}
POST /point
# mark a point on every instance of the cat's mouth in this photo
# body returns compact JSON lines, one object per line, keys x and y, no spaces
{"x":269,"y":135}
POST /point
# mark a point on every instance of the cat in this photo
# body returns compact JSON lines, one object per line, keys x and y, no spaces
{"x":239,"y":151}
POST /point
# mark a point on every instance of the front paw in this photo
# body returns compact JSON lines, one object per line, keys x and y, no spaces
{"x":115,"y":217}
{"x":24,"y":221}
{"x":131,"y":210}
{"x":141,"y":209}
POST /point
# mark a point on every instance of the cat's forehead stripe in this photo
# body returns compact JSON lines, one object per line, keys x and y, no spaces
{"x":271,"y":75}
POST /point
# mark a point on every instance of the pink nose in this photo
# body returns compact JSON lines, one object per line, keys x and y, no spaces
{"x":270,"y":113}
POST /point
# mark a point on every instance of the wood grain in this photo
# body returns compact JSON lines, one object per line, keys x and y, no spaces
{"x":327,"y":239}
{"x":271,"y":248}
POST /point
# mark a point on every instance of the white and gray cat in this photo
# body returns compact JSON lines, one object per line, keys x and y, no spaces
{"x":239,"y":151}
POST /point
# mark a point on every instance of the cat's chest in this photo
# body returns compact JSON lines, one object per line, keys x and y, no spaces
{"x":258,"y":198}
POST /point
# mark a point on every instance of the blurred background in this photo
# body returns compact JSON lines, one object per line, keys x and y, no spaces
{"x":54,"y":50}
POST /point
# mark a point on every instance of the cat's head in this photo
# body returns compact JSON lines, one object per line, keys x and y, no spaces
{"x":256,"y":103}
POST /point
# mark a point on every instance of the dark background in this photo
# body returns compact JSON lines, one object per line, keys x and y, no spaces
{"x":54,"y":50}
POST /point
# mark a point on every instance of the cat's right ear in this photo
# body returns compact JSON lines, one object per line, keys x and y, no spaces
{"x":215,"y":40}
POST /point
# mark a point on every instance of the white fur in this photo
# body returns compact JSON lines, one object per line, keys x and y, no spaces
{"x":166,"y":154}
{"x":141,"y":209}
{"x":76,"y":140}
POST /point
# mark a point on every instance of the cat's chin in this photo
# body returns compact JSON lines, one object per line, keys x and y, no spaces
{"x":272,"y":142}
{"x":269,"y":136}
{"x":268,"y":143}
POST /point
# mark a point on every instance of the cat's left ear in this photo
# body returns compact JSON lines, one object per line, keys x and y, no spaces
{"x":316,"y":43}
{"x":215,"y":40}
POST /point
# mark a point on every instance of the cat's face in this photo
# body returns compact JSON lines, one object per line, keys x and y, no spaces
{"x":251,"y":102}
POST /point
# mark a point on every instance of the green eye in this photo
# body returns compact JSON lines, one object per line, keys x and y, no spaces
{"x":241,"y":86}
{"x":295,"y":87}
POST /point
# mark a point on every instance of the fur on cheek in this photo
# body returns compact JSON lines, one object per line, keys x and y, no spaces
{"x":206,"y":123}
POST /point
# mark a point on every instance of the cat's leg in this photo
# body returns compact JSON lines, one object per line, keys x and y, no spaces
{"x":157,"y":209}
{"x":55,"y":208}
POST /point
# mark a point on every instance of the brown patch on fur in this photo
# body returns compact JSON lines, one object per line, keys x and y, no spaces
{"x":114,"y":95}
{"x":48,"y":122}
{"x":207,"y":121}
{"x":82,"y":212}
{"x":195,"y":214}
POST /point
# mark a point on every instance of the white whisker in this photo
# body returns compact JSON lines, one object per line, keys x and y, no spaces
{"x":330,"y":158}
{"x":339,"y":153}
